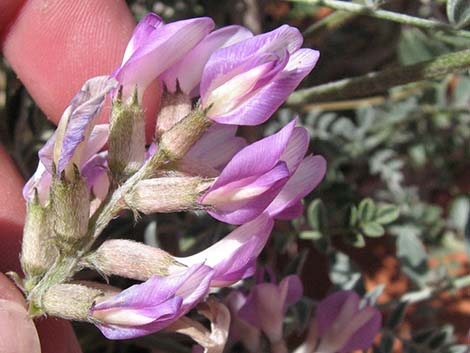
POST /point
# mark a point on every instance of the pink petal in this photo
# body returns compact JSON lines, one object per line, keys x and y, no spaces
{"x":296,"y":149}
{"x":239,"y":329}
{"x":263,"y":103}
{"x":95,"y":172}
{"x":257,"y":158}
{"x":329,"y":308}
{"x":217,"y":146}
{"x":224,"y":256}
{"x":264,"y":309}
{"x":233,"y":89}
{"x":159,"y":301}
{"x":292,"y":290}
{"x":238,"y":211}
{"x":163,"y":47}
{"x":267,"y":303}
{"x":188,"y":71}
{"x":41,"y":181}
{"x":141,"y":33}
{"x":76,"y":123}
{"x":363,"y":338}
{"x":227,"y":59}
{"x":308,"y":175}
{"x":96,"y":141}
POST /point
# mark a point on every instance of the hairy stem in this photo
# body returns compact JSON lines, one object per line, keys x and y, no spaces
{"x":68,"y":264}
{"x":380,"y":81}
{"x":329,"y":23}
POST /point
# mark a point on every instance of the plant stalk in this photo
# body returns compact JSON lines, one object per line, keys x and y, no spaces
{"x":66,"y":266}
{"x":377,"y":82}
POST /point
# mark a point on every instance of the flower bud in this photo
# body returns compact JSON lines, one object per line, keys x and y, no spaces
{"x":106,"y":289}
{"x":37,"y":252}
{"x":70,"y":209}
{"x":164,"y":195}
{"x":126,"y":138}
{"x":174,"y":107}
{"x":177,"y":141}
{"x":70,"y":301}
{"x":131,"y":259}
{"x":189,"y":166}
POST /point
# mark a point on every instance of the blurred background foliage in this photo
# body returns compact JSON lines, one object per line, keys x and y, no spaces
{"x":391,"y":219}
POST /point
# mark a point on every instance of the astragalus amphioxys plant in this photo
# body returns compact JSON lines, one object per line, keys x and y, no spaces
{"x":212,"y":81}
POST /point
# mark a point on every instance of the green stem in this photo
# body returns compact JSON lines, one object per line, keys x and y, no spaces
{"x":66,"y":266}
{"x":329,"y":23}
{"x":60,"y":272}
{"x":376,"y":82}
{"x":174,"y":144}
{"x":387,"y":15}
{"x":113,"y":205}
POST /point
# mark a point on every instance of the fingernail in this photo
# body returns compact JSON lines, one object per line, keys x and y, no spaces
{"x":17,"y":331}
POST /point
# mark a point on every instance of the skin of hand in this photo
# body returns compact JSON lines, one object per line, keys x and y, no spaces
{"x":53,"y":46}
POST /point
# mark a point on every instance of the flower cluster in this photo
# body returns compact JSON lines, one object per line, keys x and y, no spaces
{"x":342,"y":322}
{"x":210,"y":82}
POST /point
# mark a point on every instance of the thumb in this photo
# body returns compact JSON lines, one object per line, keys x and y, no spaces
{"x":55,"y":46}
{"x":17,"y":331}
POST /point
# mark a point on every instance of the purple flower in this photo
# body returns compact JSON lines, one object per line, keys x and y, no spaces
{"x":76,"y":140}
{"x":344,"y":324}
{"x":188,"y":71}
{"x":153,"y":305}
{"x":155,"y":46}
{"x":267,"y":303}
{"x":95,"y":171}
{"x":244,"y":84}
{"x":234,"y":257}
{"x":93,"y":166}
{"x":269,"y":175}
{"x":39,"y":182}
{"x":76,"y":125}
